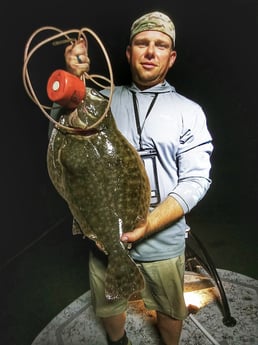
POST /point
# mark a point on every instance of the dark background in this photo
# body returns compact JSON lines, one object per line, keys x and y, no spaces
{"x":216,"y":66}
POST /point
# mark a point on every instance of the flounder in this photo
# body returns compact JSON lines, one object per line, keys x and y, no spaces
{"x":103,"y":180}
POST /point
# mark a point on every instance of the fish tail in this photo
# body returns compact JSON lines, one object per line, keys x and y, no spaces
{"x":123,"y":277}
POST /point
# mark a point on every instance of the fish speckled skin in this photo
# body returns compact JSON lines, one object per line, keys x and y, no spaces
{"x":103,"y":180}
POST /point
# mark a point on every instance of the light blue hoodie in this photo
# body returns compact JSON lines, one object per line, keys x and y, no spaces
{"x":176,"y":128}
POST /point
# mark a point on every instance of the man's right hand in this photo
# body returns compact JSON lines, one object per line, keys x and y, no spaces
{"x":76,"y":58}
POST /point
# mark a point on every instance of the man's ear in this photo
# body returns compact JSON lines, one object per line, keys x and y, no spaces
{"x":173,"y":56}
{"x":128,"y":53}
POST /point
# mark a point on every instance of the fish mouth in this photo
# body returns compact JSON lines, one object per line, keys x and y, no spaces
{"x":75,"y":121}
{"x":78,"y":126}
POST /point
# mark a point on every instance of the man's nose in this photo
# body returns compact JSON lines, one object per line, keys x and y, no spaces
{"x":150,"y":50}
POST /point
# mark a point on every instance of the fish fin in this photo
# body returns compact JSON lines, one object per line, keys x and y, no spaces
{"x":83,"y":230}
{"x":76,"y":228}
{"x":123,"y":277}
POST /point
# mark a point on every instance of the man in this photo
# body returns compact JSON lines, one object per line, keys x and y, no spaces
{"x":171,"y":135}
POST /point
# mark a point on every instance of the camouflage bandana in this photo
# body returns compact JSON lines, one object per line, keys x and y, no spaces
{"x":154,"y":21}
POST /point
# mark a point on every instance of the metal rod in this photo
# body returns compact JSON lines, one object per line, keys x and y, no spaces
{"x":59,"y":42}
{"x":228,"y":320}
{"x":204,"y":331}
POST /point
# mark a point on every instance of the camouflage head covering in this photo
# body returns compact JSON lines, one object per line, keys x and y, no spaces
{"x":154,"y":21}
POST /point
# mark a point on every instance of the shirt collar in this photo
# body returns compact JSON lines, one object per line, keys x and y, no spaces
{"x":159,"y":88}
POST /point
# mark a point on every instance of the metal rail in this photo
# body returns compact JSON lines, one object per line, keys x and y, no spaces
{"x":197,"y":255}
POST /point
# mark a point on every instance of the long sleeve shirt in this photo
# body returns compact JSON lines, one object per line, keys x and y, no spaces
{"x":175,"y":129}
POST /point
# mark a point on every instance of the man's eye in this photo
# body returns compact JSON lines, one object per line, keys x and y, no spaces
{"x":161,"y":45}
{"x":142,"y":44}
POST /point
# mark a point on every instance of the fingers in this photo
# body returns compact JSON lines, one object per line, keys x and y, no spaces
{"x":76,"y":58}
{"x":134,"y":235}
{"x":77,"y":48}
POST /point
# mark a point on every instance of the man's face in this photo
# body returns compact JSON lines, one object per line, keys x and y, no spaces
{"x":150,"y":56}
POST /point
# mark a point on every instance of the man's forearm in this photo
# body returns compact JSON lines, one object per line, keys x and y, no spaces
{"x":164,"y":214}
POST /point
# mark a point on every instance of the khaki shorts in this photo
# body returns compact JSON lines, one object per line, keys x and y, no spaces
{"x":163,"y":290}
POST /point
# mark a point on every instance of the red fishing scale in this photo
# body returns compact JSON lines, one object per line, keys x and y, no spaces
{"x":65,"y":89}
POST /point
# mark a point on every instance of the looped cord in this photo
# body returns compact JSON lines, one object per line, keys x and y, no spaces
{"x":81,"y":34}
